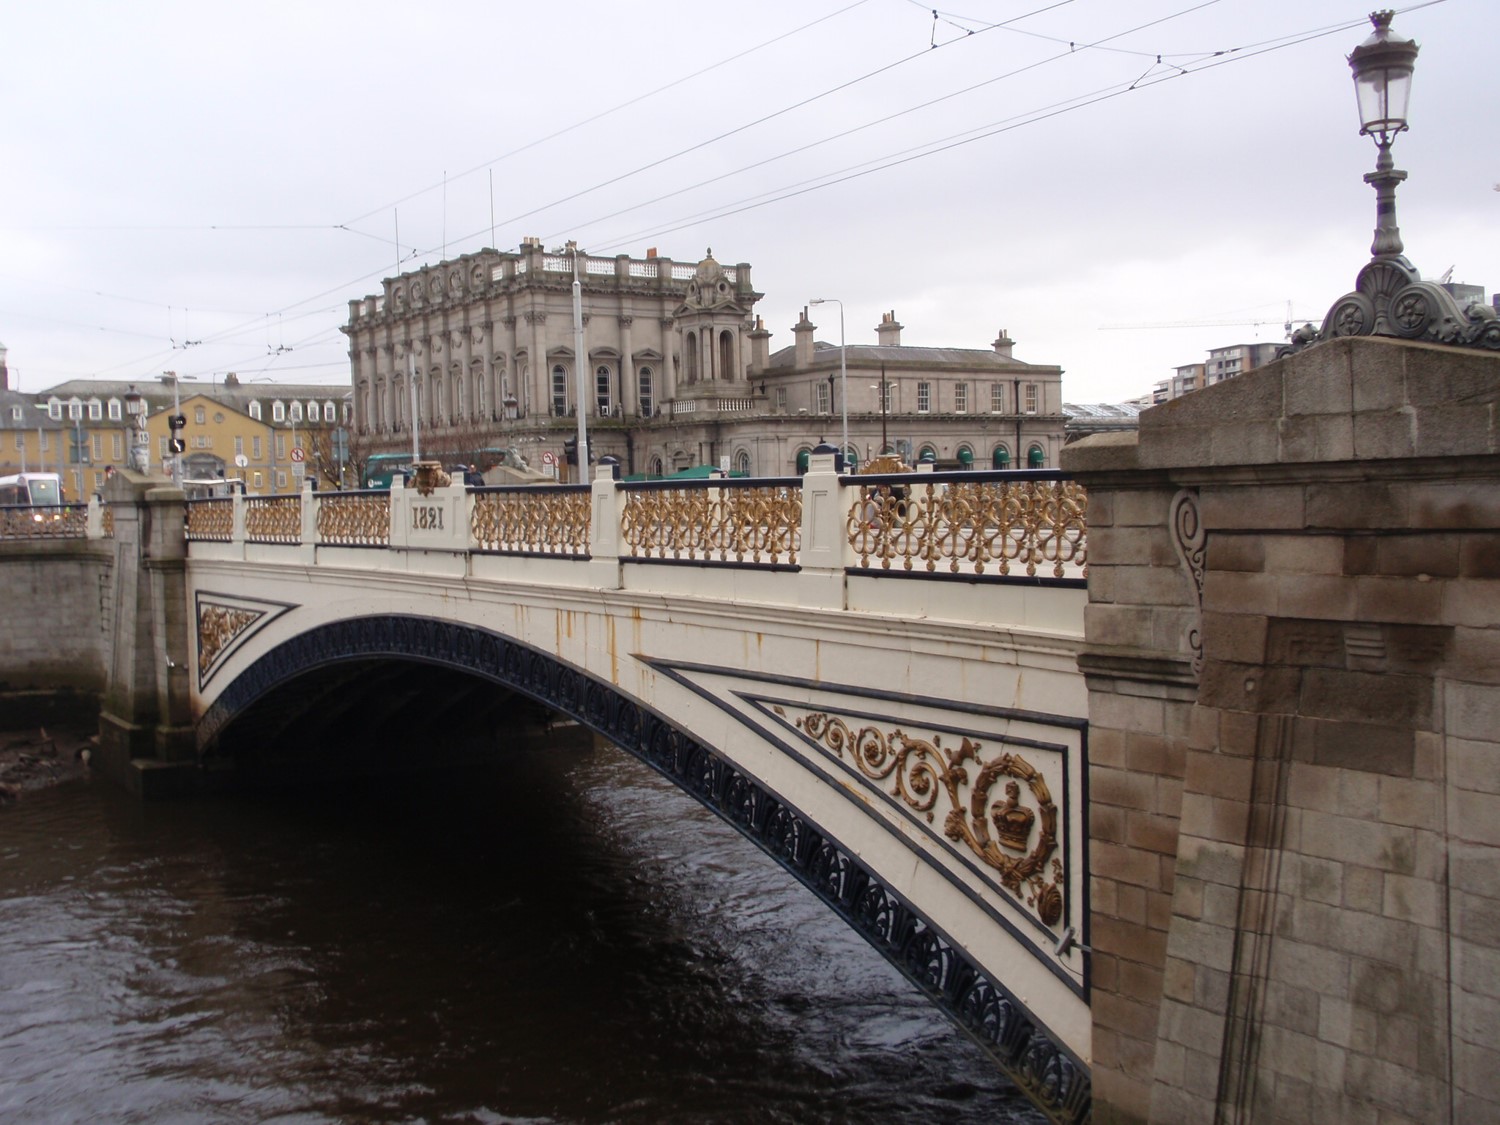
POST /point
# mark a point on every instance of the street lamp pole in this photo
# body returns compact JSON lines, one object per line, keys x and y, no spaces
{"x":843,"y":369}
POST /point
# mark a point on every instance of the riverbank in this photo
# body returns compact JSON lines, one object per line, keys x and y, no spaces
{"x":42,"y":756}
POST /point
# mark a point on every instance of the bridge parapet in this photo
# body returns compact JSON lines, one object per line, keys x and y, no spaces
{"x":832,"y":534}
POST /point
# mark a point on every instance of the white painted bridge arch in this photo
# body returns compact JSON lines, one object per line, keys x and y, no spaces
{"x":912,"y":749}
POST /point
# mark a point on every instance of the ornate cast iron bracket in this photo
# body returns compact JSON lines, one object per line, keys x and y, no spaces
{"x":1012,"y":836}
{"x":1391,"y":299}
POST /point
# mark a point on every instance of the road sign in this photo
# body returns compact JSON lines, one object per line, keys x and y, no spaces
{"x":548,"y":457}
{"x":297,"y":455}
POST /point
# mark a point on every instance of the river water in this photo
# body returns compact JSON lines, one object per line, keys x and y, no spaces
{"x":567,"y":939}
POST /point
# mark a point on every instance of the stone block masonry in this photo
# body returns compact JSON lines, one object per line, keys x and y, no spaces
{"x":1293,"y":657}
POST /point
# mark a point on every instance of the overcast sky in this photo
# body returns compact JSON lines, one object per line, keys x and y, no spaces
{"x":204,"y":187}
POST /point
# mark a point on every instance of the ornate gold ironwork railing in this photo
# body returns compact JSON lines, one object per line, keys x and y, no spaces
{"x":718,"y":521}
{"x":354,"y":519}
{"x":210,"y":520}
{"x":60,"y":521}
{"x":273,"y":519}
{"x":531,"y":521}
{"x":107,"y":521}
{"x":1034,"y":526}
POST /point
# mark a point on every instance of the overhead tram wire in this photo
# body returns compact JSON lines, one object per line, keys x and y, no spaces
{"x":958,"y":140}
{"x":417,"y":253}
{"x":892,"y":116}
{"x":712,"y":140}
{"x":1218,"y":59}
{"x":614,"y":109}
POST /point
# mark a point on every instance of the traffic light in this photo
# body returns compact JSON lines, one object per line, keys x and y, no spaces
{"x":570,"y":450}
{"x":177,"y":445}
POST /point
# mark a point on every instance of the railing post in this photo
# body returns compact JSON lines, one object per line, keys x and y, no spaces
{"x":822,"y":557}
{"x":607,"y":504}
{"x":399,"y":521}
{"x":309,"y":513}
{"x":94,"y":524}
{"x":237,"y":518}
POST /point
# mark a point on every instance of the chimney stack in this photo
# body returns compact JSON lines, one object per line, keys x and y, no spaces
{"x":802,"y":334}
{"x":888,"y":331}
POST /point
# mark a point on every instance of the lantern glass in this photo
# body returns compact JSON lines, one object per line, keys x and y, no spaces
{"x":1382,"y":67}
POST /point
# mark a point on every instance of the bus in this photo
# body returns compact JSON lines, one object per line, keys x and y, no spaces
{"x":31,"y":490}
{"x":381,"y":467}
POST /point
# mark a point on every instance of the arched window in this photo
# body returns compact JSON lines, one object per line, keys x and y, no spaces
{"x":437,"y":400}
{"x":691,"y":359}
{"x":804,"y":456}
{"x":330,"y":412}
{"x":851,"y":458}
{"x":602,"y":401}
{"x":559,"y":389}
{"x":928,"y":452}
{"x":742,"y":462}
{"x":726,"y":356}
{"x":458,"y":399}
{"x":255,"y":409}
{"x":1036,"y":457}
{"x":114,"y":410}
{"x":1000,"y":459}
{"x":646,"y":387}
{"x":278,"y":411}
{"x":655,"y":468}
{"x":965,"y":457}
{"x":296,"y":412}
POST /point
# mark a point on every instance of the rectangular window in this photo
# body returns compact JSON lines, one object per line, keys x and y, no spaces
{"x":924,"y":398}
{"x":259,"y":482}
{"x":75,"y":411}
{"x":780,"y":400}
{"x":114,"y":410}
{"x":281,"y":447}
{"x":278,"y":411}
{"x":117,"y":447}
{"x":825,"y":393}
{"x":560,"y":390}
{"x":98,"y":443}
{"x":997,"y":398}
{"x":198,"y":415}
{"x":44,"y":441}
{"x":239,"y":446}
{"x":960,"y":398}
{"x":96,"y":410}
{"x":330,"y":412}
{"x":17,"y":414}
{"x":255,"y":453}
{"x":280,"y":479}
{"x":54,"y":410}
{"x":20,"y":442}
{"x":1030,"y":398}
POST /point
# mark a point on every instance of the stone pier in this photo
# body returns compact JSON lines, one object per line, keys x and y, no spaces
{"x":1293,"y":652}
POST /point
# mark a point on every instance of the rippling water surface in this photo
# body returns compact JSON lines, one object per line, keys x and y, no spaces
{"x":566,"y":939}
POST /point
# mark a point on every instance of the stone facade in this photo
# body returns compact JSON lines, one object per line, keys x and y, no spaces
{"x":1293,"y":650}
{"x":679,"y":372}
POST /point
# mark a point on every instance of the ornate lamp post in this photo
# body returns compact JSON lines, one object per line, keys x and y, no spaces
{"x":1390,"y":298}
{"x":1382,"y":67}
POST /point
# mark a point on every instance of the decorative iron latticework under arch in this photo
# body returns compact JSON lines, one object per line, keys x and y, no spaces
{"x":1056,"y":1080}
